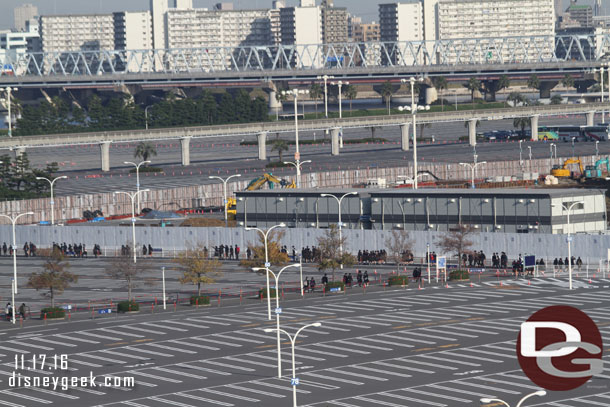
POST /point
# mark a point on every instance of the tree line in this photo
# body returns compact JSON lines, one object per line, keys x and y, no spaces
{"x":18,"y":178}
{"x":122,"y":113}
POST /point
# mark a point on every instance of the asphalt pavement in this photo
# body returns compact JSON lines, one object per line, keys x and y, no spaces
{"x":401,"y":347}
{"x":225,"y":155}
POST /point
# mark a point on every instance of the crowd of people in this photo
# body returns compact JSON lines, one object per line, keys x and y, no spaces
{"x":8,"y":311}
{"x":72,"y":250}
{"x":372,"y":257}
{"x":29,"y":249}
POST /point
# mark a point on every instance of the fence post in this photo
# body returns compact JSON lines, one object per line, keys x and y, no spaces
{"x":45,"y":318}
{"x":220,"y":296}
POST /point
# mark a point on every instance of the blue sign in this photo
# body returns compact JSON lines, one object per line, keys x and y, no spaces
{"x":294,"y":381}
{"x":67,"y":307}
{"x":335,"y":289}
{"x":530,"y":261}
{"x":45,"y":222}
{"x":267,"y":264}
{"x":441,"y":262}
{"x":105,"y":311}
{"x":569,"y":239}
{"x":278,"y":310}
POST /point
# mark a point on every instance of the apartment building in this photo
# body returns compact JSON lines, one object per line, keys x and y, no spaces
{"x":302,"y":27}
{"x":334,"y":23}
{"x":133,"y":31}
{"x":401,"y":22}
{"x":86,"y":32}
{"x":22,"y":15}
{"x":367,"y":36}
{"x":583,"y":13}
{"x":13,"y":44}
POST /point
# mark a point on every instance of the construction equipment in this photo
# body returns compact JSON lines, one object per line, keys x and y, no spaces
{"x":270,"y":179}
{"x":595,"y":171}
{"x":231,"y":206}
{"x":564,"y":170}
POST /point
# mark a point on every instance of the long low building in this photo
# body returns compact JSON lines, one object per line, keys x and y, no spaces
{"x":488,"y":210}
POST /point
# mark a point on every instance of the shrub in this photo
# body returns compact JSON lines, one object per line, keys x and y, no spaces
{"x":335,"y":284}
{"x":147,"y":169}
{"x":128,"y":306}
{"x":398,"y":280}
{"x":459,"y":275}
{"x":201,"y":300}
{"x":52,"y":313}
{"x":276,"y":164}
{"x":263,"y":292}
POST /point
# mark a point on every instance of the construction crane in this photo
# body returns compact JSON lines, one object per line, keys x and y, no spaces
{"x":564,"y":170}
{"x":595,"y":171}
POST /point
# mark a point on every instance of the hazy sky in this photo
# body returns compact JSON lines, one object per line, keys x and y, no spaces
{"x":367,"y":9}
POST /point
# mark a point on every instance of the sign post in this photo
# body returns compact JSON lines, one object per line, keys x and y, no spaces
{"x":441,"y":264}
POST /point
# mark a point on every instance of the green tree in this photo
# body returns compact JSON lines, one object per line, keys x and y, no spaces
{"x":473,"y":85}
{"x":55,"y":278}
{"x":280,"y":146}
{"x":145,"y":150}
{"x":351,"y":93}
{"x":440,"y":83}
{"x":533,"y":82}
{"x":226,"y":109}
{"x":316,"y":92}
{"x":331,"y":257}
{"x":556,"y":100}
{"x":521,"y":123}
{"x":197,"y":268}
{"x":386,"y":93}
{"x":243,"y":110}
{"x":21,"y":172}
{"x":516,"y":98}
{"x":567,"y":81}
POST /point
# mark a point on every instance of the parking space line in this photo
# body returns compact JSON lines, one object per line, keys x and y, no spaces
{"x":257,"y":391}
{"x":214,"y":402}
{"x":329,"y":378}
{"x":152,"y":376}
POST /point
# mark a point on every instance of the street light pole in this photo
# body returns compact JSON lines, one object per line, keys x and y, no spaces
{"x":473,"y":168}
{"x":339,"y":201}
{"x":570,"y":241}
{"x":146,"y":115}
{"x":133,"y":216}
{"x":224,"y":188}
{"x":529,"y":148}
{"x":298,"y":165}
{"x":277,"y":312}
{"x":14,"y":221}
{"x":596,"y":149}
{"x":573,"y":138}
{"x":293,"y":340}
{"x":520,"y":153}
{"x":326,"y":78}
{"x":413,"y":109}
{"x":52,"y":201}
{"x":267,"y":264}
{"x":540,"y":393}
{"x":137,"y":177}
{"x":163,"y":277}
{"x":9,"y":91}
{"x":340,"y":85}
{"x":297,"y":155}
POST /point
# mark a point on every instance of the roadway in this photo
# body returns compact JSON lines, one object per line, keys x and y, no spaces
{"x":213,"y":156}
{"x":403,"y":347}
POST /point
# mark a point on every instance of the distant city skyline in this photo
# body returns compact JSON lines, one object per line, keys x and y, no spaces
{"x":366,"y":9}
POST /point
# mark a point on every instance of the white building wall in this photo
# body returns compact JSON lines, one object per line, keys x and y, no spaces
{"x":410,"y":21}
{"x":133,"y":31}
{"x":183,"y":4}
{"x":158,"y":8}
{"x":308,"y":34}
{"x":430,"y":19}
{"x":12,"y":46}
{"x":22,"y":15}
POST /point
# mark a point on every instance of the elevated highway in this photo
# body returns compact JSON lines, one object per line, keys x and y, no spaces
{"x":262,"y":129}
{"x":253,"y":65}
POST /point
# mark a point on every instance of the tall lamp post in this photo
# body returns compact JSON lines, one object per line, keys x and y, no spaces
{"x":553,"y":147}
{"x":267,"y":264}
{"x":339,"y":201}
{"x":520,"y":153}
{"x":569,"y":238}
{"x":9,"y":91}
{"x":294,"y":381}
{"x":14,"y":221}
{"x":278,"y":311}
{"x":137,"y":176}
{"x":298,"y":165}
{"x":146,"y":115}
{"x":540,"y":393}
{"x":340,"y":85}
{"x":297,"y":155}
{"x":51,"y":182}
{"x":473,"y":169}
{"x":326,"y":78}
{"x":413,"y":109}
{"x":224,"y":188}
{"x":529,"y":152}
{"x":133,"y":216}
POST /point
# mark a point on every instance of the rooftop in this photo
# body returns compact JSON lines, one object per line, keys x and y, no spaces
{"x":552,"y":192}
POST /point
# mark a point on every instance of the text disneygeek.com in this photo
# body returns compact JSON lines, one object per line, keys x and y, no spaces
{"x":66,"y":383}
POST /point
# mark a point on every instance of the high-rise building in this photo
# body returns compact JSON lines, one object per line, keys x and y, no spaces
{"x":158,"y":9}
{"x":86,"y":32}
{"x":367,"y":32}
{"x":334,"y":23}
{"x":302,"y":27}
{"x":133,"y":31}
{"x":583,"y":13}
{"x":367,"y":35}
{"x":211,"y":29}
{"x":183,"y":4}
{"x":401,"y":21}
{"x":22,"y":15}
{"x":485,"y":20}
{"x":598,"y":8}
{"x":352,"y":22}
{"x":13,"y":44}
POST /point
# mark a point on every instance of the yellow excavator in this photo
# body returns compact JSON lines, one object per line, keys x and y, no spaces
{"x":258,"y":183}
{"x":564,"y":170}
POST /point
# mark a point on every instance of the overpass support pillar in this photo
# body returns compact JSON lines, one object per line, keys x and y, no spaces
{"x":262,"y":146}
{"x":534,"y":127}
{"x":334,"y":134}
{"x":472,"y":132}
{"x":186,"y":151}
{"x":105,"y":154}
{"x":590,"y":118}
{"x":404,"y":136}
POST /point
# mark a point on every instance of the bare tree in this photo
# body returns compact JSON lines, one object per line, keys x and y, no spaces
{"x":331,"y":256}
{"x":55,"y":278}
{"x":274,"y":248}
{"x":197,"y":268}
{"x":457,"y":241}
{"x":399,"y":246}
{"x":133,"y":274}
